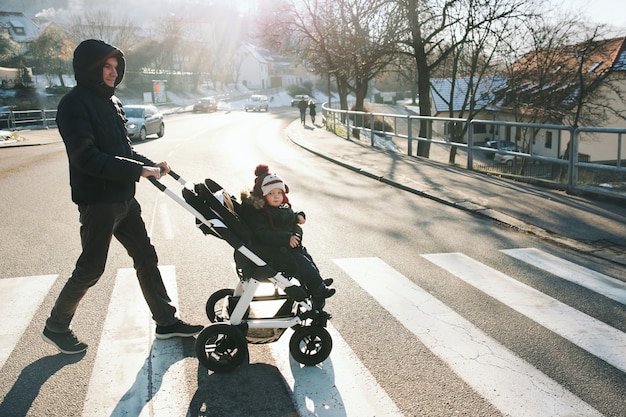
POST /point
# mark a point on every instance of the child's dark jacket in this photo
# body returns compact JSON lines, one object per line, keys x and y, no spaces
{"x":272,"y":229}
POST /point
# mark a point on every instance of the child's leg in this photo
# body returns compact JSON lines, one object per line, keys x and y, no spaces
{"x":305,"y":253}
{"x":309,"y":275}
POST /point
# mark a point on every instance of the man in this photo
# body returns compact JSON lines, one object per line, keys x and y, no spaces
{"x":103,"y":171}
{"x":302,"y":106}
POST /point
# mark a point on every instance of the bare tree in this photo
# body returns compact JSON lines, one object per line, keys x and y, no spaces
{"x":566,"y":77}
{"x":476,"y":64}
{"x":8,"y":49}
{"x":118,"y":30}
{"x":349,"y":40}
{"x":557,"y":80}
{"x":434,"y":30}
{"x":52,"y":52}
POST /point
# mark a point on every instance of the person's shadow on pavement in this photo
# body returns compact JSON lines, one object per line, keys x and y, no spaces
{"x":20,"y":398}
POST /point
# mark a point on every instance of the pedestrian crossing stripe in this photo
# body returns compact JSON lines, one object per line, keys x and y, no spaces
{"x":22,"y":296}
{"x":596,"y":337}
{"x":585,"y":277}
{"x":136,"y":374}
{"x":129,"y":358}
{"x":338,"y":387}
{"x":508,"y":382}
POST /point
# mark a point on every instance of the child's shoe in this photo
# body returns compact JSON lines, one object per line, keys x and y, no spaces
{"x":328,"y":281}
{"x":324,"y":292}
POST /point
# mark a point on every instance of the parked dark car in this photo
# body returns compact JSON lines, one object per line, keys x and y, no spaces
{"x":205,"y":104}
{"x":143,"y":121}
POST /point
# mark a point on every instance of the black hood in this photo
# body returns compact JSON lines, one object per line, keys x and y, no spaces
{"x":89,"y":59}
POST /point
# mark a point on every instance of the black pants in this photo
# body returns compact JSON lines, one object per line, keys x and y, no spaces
{"x":308,"y":273}
{"x":99,"y":223}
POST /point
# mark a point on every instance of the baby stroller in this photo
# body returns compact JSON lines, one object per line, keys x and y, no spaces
{"x":223,"y":345}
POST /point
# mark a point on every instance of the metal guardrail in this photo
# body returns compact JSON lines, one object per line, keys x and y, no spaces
{"x":561,"y":166}
{"x":24,"y":119}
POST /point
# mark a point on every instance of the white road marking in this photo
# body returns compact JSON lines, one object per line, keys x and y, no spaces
{"x":135,"y":374}
{"x":512,"y":385}
{"x":602,"y":284}
{"x":22,"y":296}
{"x":165,"y":221}
{"x":340,"y":386}
{"x":596,"y":337}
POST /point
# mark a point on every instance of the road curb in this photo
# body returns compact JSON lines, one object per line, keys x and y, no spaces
{"x":472,"y":208}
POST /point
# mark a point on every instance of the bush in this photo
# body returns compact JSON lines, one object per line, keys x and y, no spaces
{"x":365,"y":120}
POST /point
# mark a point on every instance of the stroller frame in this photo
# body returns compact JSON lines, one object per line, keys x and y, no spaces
{"x":223,"y":345}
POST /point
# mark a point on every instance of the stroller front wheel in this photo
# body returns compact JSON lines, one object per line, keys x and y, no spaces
{"x":310,"y":345}
{"x":221,"y":347}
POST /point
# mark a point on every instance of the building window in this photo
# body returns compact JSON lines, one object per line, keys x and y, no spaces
{"x":548,"y":144}
{"x":480,"y":128}
{"x":18,"y":27}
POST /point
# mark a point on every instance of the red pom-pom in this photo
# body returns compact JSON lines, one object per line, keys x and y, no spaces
{"x":261,"y":170}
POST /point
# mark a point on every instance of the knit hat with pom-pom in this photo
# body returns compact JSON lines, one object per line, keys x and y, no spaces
{"x":272,"y":181}
{"x":264,"y":181}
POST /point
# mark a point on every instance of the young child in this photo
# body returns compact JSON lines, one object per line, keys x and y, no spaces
{"x":268,"y":213}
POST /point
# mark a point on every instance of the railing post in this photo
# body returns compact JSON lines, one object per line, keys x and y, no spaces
{"x":409,"y":134}
{"x":372,"y":130}
{"x":572,"y":174}
{"x":470,"y":145}
{"x":619,"y":150}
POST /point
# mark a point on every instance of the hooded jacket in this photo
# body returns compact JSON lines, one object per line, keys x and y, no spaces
{"x":103,"y":166}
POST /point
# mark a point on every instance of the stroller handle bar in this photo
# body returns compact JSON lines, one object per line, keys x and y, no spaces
{"x":177,"y":198}
{"x":173,"y":174}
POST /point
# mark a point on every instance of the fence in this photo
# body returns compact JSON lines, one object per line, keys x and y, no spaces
{"x":544,"y":153}
{"x":20,"y":119}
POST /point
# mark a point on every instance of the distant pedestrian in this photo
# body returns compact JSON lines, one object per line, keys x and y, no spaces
{"x":312,"y":111}
{"x":302,"y":106}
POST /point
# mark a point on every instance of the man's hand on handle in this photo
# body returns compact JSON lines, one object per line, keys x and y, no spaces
{"x":159,"y":170}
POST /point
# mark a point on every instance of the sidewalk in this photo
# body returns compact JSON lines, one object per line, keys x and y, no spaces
{"x":31,"y":138}
{"x":595,"y":227}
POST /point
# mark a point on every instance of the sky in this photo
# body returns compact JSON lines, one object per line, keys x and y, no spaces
{"x":611,"y":12}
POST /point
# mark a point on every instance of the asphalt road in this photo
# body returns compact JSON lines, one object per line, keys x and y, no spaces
{"x":413,"y":334}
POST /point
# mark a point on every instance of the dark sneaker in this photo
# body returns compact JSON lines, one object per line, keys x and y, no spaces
{"x":324,"y":292}
{"x":328,"y":282}
{"x":178,"y":329}
{"x":66,"y":342}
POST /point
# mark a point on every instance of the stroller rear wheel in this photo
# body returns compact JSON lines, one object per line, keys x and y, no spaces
{"x":216,"y":303}
{"x":221,"y":347}
{"x":219,"y":305}
{"x":310,"y":345}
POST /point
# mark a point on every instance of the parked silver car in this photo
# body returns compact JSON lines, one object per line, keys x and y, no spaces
{"x":143,"y":121}
{"x":257,"y":102}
